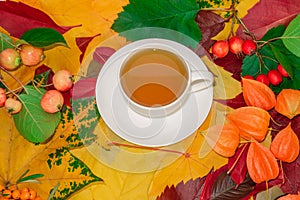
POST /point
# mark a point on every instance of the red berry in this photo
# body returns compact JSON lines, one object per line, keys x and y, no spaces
{"x":249,"y":77}
{"x":10,"y":59}
{"x":62,"y":80}
{"x":275,"y":77}
{"x":282,"y":71}
{"x":263,"y":78}
{"x":52,"y":101}
{"x":220,"y":48}
{"x":13,"y":106}
{"x":235,"y":44}
{"x":31,"y":55}
{"x":2,"y":97}
{"x":248,"y":47}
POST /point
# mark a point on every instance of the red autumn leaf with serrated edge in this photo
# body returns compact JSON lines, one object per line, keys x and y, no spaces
{"x":82,"y":43}
{"x":17,"y":18}
{"x":189,"y":190}
{"x":268,"y":14}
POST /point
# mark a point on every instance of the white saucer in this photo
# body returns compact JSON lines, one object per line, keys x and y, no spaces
{"x":139,"y":129}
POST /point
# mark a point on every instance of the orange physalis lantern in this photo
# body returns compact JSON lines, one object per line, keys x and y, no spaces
{"x":224,"y":139}
{"x":258,"y":94}
{"x":288,"y":103}
{"x":285,"y":145}
{"x":261,"y":163}
{"x":251,"y":121}
{"x":290,"y":197}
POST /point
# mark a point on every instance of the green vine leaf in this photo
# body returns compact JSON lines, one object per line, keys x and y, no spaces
{"x":174,"y":15}
{"x":5,"y":42}
{"x":291,"y":36}
{"x":46,"y":38}
{"x":33,"y":123}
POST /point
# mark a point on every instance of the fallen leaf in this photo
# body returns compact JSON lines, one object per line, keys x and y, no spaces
{"x":271,"y":14}
{"x":52,"y":159}
{"x":189,"y":190}
{"x":225,"y":188}
{"x":101,"y":54}
{"x":186,"y":167}
{"x":237,"y":167}
{"x":12,"y":12}
{"x":210,"y":25}
{"x":82,"y":43}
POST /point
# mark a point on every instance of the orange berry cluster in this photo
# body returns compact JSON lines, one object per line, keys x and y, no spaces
{"x":14,"y":193}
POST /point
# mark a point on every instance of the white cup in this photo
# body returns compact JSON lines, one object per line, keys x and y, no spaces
{"x":155,"y":79}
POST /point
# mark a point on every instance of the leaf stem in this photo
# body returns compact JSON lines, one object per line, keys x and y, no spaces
{"x":15,"y":78}
{"x":238,"y":158}
{"x":276,"y":38}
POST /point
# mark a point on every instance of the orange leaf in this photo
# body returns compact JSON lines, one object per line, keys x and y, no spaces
{"x":285,"y":145}
{"x":252,"y":122}
{"x":258,"y":94}
{"x":224,"y":139}
{"x":261,"y":163}
{"x":288,"y":103}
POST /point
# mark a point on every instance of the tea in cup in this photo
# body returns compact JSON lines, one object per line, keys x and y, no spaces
{"x":155,"y":79}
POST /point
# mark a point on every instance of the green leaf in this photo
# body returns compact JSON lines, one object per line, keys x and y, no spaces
{"x":30,"y":178}
{"x":274,"y":33}
{"x":44,"y":37}
{"x":5,"y":42}
{"x":33,"y":123}
{"x":287,"y":59}
{"x":259,"y":63}
{"x":291,"y":36}
{"x":169,"y":14}
{"x":250,"y":65}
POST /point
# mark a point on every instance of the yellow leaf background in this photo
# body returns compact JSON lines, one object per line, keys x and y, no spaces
{"x":17,"y":155}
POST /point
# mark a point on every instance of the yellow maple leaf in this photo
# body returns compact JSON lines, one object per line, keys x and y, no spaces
{"x":53,"y":159}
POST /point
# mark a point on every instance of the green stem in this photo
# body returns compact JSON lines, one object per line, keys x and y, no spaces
{"x":277,"y":38}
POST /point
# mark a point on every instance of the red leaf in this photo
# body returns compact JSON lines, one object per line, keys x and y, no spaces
{"x":270,"y":13}
{"x":209,"y":182}
{"x":231,"y":63}
{"x":190,"y":190}
{"x":169,"y":193}
{"x":291,"y":176}
{"x":238,"y":164}
{"x":84,"y":88}
{"x":101,"y":54}
{"x":82,"y":44}
{"x":236,"y":102}
{"x":17,"y":18}
{"x":210,"y":25}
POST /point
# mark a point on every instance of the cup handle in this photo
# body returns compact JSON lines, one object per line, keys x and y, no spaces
{"x":201,"y":80}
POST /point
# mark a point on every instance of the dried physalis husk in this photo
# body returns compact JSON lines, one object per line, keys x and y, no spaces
{"x":252,"y":122}
{"x":261,"y":163}
{"x":288,"y":103}
{"x":224,"y":139}
{"x":285,"y":145}
{"x":290,"y":197}
{"x":258,"y":94}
